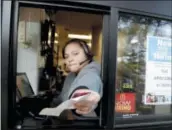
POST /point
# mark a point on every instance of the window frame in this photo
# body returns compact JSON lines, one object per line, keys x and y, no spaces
{"x":9,"y":24}
{"x":10,"y":51}
{"x":133,"y":122}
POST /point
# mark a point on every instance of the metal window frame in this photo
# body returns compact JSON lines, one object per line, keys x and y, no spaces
{"x":9,"y":58}
{"x":154,"y":120}
{"x":6,"y":18}
{"x":10,"y":15}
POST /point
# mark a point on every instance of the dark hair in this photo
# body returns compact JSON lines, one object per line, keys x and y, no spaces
{"x":83,"y":44}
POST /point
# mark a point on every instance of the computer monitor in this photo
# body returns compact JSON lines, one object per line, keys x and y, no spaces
{"x":23,"y":86}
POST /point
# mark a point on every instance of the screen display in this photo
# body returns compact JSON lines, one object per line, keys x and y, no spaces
{"x":23,"y":85}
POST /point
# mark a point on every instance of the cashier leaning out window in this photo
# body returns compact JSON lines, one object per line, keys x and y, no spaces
{"x":84,"y":77}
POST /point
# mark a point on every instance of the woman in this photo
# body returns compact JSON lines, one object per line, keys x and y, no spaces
{"x":84,"y":77}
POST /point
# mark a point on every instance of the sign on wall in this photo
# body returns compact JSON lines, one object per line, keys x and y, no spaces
{"x":158,"y":89}
{"x":125,"y":103}
{"x":22,"y":32}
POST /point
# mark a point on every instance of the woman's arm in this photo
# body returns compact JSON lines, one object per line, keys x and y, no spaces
{"x":90,"y":82}
{"x":88,"y":105}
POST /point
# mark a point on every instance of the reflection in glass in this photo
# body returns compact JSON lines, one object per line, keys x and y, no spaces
{"x":131,"y":65}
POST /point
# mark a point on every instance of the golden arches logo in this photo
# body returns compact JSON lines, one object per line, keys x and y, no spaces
{"x":122,"y":97}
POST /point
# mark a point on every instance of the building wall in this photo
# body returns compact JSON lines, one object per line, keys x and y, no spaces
{"x":152,"y":6}
{"x":27,"y":57}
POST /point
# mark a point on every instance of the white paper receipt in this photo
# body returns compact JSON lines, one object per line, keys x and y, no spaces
{"x":68,"y":104}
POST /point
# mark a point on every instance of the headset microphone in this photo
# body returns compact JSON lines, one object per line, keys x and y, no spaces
{"x":83,"y":62}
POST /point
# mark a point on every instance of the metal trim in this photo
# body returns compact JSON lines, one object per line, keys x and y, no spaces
{"x":85,"y":8}
{"x":6,"y":21}
{"x":112,"y":67}
{"x":105,"y":55}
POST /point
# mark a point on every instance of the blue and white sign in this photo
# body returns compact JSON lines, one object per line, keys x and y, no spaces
{"x":158,"y":87}
{"x":159,"y":49}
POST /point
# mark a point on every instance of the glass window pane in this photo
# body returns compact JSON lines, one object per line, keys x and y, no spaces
{"x":143,"y":84}
{"x":45,"y":77}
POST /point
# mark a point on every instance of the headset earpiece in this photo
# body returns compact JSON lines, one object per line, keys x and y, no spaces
{"x":86,"y":50}
{"x":83,"y":44}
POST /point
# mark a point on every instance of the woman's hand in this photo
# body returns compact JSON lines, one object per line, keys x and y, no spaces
{"x":88,"y":105}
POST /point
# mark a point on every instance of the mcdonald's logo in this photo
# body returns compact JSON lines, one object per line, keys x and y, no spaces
{"x":122,"y":97}
{"x":125,"y":102}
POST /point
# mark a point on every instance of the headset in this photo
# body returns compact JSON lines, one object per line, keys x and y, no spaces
{"x":85,"y":47}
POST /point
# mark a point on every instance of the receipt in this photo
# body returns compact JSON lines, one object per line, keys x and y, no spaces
{"x":68,"y":104}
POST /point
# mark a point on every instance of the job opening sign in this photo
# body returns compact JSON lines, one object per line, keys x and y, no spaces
{"x":158,"y":87}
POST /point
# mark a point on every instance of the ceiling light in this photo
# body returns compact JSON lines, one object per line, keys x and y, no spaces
{"x":89,"y":37}
{"x":49,"y":42}
{"x":89,"y":44}
{"x":56,"y":35}
{"x":56,"y":42}
{"x":49,"y":34}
